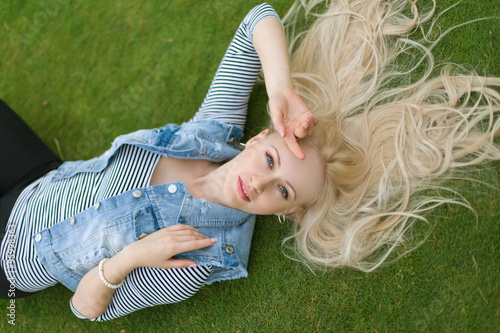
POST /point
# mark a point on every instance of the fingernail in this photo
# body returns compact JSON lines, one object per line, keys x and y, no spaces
{"x":192,"y":265}
{"x":281,"y":133}
{"x":214,"y":240}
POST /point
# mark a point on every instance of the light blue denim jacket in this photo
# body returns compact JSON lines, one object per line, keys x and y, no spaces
{"x":72,"y":247}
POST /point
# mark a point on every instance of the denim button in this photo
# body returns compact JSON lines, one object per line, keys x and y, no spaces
{"x":137,"y":194}
{"x":229,"y":250}
{"x":38,"y":238}
{"x":72,"y":220}
{"x":172,"y":188}
{"x":233,"y":141}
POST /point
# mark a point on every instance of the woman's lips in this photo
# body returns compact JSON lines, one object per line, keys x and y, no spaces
{"x":242,"y":190}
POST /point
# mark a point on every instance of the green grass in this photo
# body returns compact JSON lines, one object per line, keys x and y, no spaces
{"x":108,"y":68}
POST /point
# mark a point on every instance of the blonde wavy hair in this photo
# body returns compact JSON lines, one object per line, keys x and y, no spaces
{"x":385,"y":140}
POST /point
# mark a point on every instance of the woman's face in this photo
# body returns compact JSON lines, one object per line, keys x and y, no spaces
{"x":267,"y":178}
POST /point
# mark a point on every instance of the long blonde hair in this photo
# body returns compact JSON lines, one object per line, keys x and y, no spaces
{"x":385,"y":140}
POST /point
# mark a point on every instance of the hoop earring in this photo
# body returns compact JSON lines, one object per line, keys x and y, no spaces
{"x":282,"y":219}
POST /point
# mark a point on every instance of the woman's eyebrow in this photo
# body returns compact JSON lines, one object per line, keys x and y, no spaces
{"x":286,"y":182}
{"x":277,"y":155}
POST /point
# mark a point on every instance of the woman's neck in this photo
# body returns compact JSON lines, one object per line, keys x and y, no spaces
{"x":209,"y":186}
{"x":199,"y":176}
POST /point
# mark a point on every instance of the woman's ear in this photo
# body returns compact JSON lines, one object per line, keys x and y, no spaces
{"x":289,"y":211}
{"x":258,"y":136}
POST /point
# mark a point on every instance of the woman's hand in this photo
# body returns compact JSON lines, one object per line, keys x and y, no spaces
{"x":157,"y":249}
{"x":289,"y":114}
{"x":92,"y":297}
{"x":291,"y":118}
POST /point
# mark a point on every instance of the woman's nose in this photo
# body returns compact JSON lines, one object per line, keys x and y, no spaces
{"x":259,"y":182}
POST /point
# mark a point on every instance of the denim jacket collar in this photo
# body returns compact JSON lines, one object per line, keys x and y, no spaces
{"x":200,"y":139}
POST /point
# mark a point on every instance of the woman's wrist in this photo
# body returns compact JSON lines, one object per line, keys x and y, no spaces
{"x":283,"y":90}
{"x":118,"y":267}
{"x":279,"y":88}
{"x":103,"y":278}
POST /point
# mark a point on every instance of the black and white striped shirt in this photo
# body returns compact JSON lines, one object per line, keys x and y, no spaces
{"x":44,"y":203}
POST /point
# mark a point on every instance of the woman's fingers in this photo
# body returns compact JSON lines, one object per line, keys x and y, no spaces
{"x":177,"y":231}
{"x":278,"y":124}
{"x":181,"y":238}
{"x":179,"y":263}
{"x":191,"y":245}
{"x":299,"y":129}
{"x":180,"y":227}
{"x":293,"y":145}
{"x":278,"y":113}
{"x":305,"y":126}
{"x":158,"y":248}
{"x":291,"y":118}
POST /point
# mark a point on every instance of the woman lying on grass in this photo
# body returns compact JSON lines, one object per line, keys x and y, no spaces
{"x":108,"y":228}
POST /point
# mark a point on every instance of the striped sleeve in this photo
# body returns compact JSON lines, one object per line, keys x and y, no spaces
{"x":145,"y":287}
{"x":227,"y":98}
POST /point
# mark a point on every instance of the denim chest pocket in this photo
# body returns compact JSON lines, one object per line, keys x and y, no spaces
{"x":81,"y":254}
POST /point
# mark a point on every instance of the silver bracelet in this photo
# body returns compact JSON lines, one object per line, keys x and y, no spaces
{"x":103,"y":279}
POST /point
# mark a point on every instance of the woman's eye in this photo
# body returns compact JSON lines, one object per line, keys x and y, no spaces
{"x":283,"y":191}
{"x":270,"y":160}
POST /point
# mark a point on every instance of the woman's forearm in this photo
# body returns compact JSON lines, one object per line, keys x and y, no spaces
{"x":92,"y":296}
{"x":270,"y":42}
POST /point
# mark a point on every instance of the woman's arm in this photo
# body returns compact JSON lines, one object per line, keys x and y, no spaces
{"x":260,"y":41}
{"x":146,"y":287}
{"x":227,"y":98}
{"x":290,"y":116}
{"x":92,"y":296}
